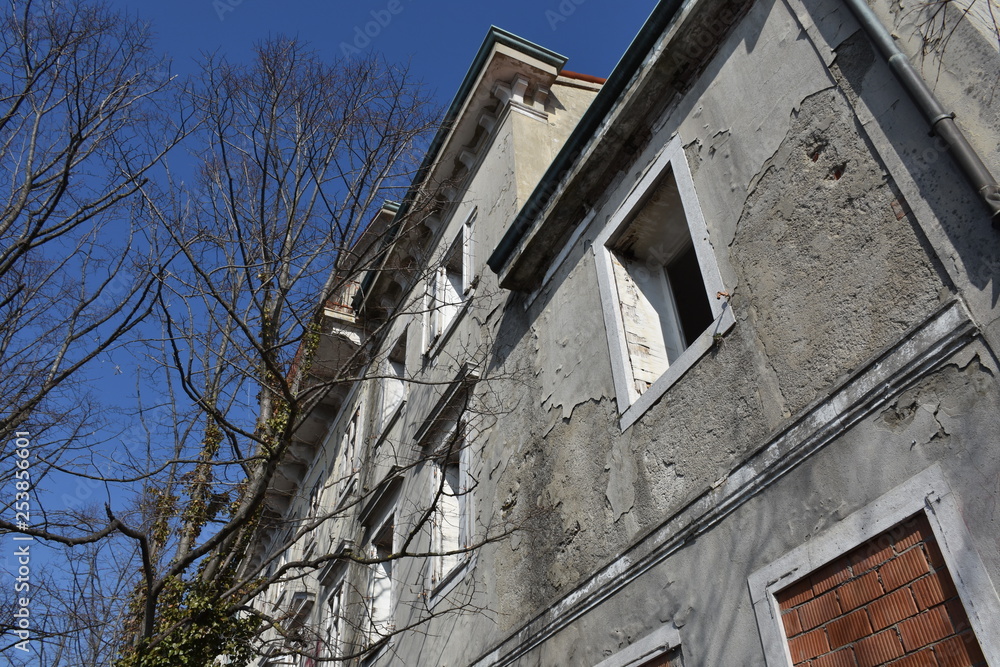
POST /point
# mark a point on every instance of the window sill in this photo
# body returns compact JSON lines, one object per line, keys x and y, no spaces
{"x":704,"y":343}
{"x":380,"y":651}
{"x":448,"y":583}
{"x":439,"y":342}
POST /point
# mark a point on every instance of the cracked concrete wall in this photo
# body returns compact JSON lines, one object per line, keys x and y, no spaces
{"x":702,"y":589}
{"x":824,"y":275}
{"x":824,"y":231}
{"x":961,"y":66}
{"x":828,"y":266}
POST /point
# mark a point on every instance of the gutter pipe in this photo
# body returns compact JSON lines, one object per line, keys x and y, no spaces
{"x":941,"y":122}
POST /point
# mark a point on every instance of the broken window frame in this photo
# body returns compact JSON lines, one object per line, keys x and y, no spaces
{"x":632,"y":404}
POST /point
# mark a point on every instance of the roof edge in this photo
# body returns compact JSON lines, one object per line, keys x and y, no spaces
{"x":618,"y":81}
{"x":493,"y":37}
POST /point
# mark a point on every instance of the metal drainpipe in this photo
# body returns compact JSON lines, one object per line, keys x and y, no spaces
{"x":942,"y":123}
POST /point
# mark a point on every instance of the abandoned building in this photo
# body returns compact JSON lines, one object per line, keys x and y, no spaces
{"x":692,"y":366}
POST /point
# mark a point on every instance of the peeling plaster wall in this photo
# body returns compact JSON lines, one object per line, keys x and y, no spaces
{"x":963,"y":72}
{"x":827,"y":271}
{"x":835,"y":241}
{"x":702,"y":589}
{"x":828,"y":265}
{"x":519,"y":151}
{"x":824,"y":275}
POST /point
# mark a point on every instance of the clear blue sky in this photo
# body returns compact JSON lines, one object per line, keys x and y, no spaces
{"x":438,"y":37}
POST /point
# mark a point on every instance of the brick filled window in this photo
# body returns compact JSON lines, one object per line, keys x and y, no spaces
{"x":890,"y":601}
{"x":659,"y":661}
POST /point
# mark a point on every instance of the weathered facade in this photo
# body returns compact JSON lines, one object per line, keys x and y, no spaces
{"x":695,"y":367}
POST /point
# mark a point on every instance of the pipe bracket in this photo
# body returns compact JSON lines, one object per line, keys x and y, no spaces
{"x":940,"y":117}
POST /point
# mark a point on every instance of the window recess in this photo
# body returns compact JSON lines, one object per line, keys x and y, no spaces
{"x":450,"y":287}
{"x":659,"y":283}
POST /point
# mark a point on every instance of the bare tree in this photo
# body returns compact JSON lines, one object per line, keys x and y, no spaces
{"x":296,"y":158}
{"x":82,"y":130}
{"x":220,"y":291}
{"x":79,"y":136}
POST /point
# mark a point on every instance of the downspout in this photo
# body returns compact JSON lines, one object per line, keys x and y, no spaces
{"x":941,"y":122}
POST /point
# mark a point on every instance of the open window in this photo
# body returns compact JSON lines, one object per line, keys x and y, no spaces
{"x":347,"y":466}
{"x":381,"y":592}
{"x":447,"y":441}
{"x":451,"y":285}
{"x":333,"y":623}
{"x":451,"y":521}
{"x":660,"y":284}
{"x":392,"y":390}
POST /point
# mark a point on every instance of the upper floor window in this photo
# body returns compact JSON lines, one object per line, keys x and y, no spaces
{"x":660,"y":284}
{"x":392,"y":390}
{"x":381,"y":593}
{"x":451,"y":497}
{"x":333,"y":623}
{"x":347,"y":468}
{"x":451,"y":285}
{"x":448,"y":439}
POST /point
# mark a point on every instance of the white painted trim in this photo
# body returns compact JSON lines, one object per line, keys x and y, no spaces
{"x":466,"y":373}
{"x":465,"y":242}
{"x":467,"y":561}
{"x":681,"y":365}
{"x":442,"y":339}
{"x":632,"y":405}
{"x":927,"y":492}
{"x":448,"y":583}
{"x":651,"y":646}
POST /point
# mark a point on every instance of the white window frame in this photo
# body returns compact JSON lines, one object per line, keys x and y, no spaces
{"x":438,"y":324}
{"x":334,"y":587}
{"x":317,"y":493}
{"x":347,"y":464}
{"x":445,"y":572}
{"x":393,"y":386}
{"x":432,"y":439}
{"x":927,"y":492}
{"x":631,"y":404}
{"x":657,"y":643}
{"x":377,"y":628}
{"x":334,"y":619}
